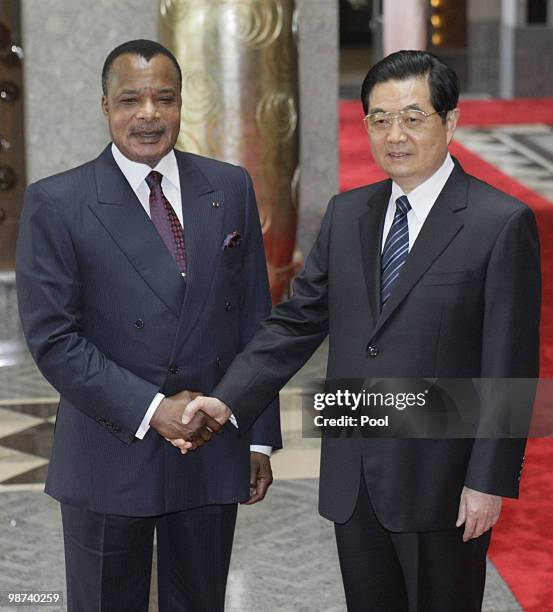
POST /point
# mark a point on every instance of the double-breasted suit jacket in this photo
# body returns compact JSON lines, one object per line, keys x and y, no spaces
{"x":111,"y":322}
{"x":466,"y":305}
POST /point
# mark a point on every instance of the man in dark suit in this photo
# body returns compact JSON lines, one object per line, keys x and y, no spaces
{"x":432,"y":274}
{"x":140,"y":275}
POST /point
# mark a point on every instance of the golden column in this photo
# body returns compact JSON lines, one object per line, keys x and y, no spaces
{"x":240,"y":103}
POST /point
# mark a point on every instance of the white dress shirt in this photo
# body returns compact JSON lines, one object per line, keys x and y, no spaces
{"x":422,"y":198}
{"x":136,"y":174}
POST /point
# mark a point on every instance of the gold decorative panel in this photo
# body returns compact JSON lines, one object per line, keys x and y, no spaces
{"x":240,"y":103}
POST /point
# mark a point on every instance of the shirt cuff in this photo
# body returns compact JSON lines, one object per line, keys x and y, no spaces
{"x":145,"y":425}
{"x":258,"y":448}
{"x":254,"y":448}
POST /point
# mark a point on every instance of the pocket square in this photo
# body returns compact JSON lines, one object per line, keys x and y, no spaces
{"x":232,"y":240}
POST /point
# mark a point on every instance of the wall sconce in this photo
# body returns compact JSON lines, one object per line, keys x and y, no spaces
{"x":436,"y":21}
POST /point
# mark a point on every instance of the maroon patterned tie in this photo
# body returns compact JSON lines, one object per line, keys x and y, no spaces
{"x":166,"y":221}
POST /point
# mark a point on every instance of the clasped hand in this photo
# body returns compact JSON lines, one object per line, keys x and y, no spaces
{"x":188,"y":420}
{"x":213,"y":408}
{"x":167,"y":420}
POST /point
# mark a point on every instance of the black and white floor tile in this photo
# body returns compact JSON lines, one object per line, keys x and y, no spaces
{"x":523,"y":152}
{"x":28,"y":407}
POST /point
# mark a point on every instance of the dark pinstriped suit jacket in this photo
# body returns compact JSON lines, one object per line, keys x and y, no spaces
{"x":110,"y":323}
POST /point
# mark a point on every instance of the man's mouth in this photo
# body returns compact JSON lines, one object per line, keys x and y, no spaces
{"x":148,"y":135}
{"x":398,"y":155}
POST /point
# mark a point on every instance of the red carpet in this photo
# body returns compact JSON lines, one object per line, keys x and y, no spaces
{"x":522,"y":546}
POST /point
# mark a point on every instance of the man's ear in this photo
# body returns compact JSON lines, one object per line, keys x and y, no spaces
{"x":452,"y":118}
{"x":105,"y":108}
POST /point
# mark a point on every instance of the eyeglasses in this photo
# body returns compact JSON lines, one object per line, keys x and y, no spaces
{"x":409,"y":119}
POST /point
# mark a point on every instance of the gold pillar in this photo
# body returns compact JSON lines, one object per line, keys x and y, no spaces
{"x":240,"y":103}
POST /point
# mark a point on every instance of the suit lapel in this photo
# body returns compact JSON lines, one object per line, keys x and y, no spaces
{"x":370,"y":229}
{"x":124,"y":218}
{"x":202,"y":238}
{"x":439,"y":229}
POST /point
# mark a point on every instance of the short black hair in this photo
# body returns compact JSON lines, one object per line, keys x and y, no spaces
{"x":145,"y":48}
{"x":443,"y":81}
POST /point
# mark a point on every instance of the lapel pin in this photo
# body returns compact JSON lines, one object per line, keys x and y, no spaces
{"x":215,"y":204}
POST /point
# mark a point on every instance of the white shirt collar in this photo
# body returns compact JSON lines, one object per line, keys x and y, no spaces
{"x":136,"y":173}
{"x":423,"y":197}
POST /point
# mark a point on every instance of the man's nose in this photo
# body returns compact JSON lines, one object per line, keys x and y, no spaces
{"x":396,"y":133}
{"x":148,"y":109}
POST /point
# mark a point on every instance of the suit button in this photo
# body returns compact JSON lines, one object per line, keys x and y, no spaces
{"x":174,"y":369}
{"x":372,"y":351}
{"x":139,"y":323}
{"x":218,"y":362}
{"x":228,"y":306}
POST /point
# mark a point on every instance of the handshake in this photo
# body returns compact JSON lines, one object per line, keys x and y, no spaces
{"x":188,"y":419}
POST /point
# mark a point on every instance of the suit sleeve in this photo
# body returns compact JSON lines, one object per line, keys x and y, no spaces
{"x":255,"y":306}
{"x":510,"y":350}
{"x":284,"y":342}
{"x":48,"y":290}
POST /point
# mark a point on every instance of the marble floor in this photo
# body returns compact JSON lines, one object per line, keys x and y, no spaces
{"x":523,"y":152}
{"x":294,"y":567}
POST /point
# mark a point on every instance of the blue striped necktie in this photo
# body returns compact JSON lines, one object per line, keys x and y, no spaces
{"x":396,"y":249}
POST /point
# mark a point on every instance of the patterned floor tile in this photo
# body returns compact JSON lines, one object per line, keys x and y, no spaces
{"x":42,"y":409}
{"x":14,"y":463}
{"x":36,"y":440}
{"x":523,"y":152}
{"x":34,"y":476}
{"x":12,"y":421}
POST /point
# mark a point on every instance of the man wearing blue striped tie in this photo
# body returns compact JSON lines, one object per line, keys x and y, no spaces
{"x":432,"y":274}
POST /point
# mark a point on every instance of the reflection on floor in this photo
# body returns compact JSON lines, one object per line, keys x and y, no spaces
{"x":284,"y":558}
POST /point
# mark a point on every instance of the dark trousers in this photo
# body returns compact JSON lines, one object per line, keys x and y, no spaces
{"x":408,"y":572}
{"x":108,"y":559}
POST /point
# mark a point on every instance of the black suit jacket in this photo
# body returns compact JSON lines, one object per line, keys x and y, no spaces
{"x":466,"y":305}
{"x":110,"y":322}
